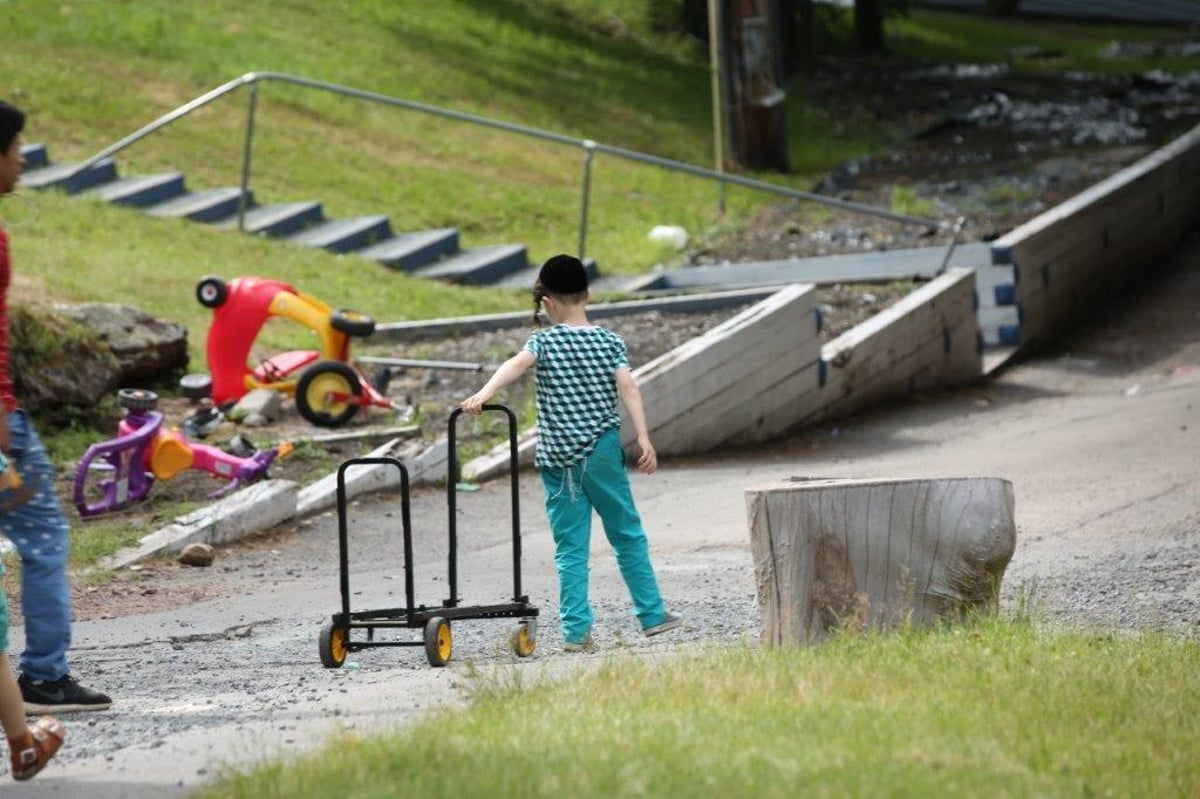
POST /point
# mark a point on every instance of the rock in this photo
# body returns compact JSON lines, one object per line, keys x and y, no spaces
{"x":146,"y":348}
{"x":57,"y":365}
{"x":262,"y":402}
{"x":197,"y":555}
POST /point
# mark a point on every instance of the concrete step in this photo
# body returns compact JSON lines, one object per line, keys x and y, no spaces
{"x":36,"y":156}
{"x":278,"y":220}
{"x":479,"y":266}
{"x":410,"y":251}
{"x":59,"y":176}
{"x":207,"y":205}
{"x":141,"y":191}
{"x":853,"y":267}
{"x":344,"y":235}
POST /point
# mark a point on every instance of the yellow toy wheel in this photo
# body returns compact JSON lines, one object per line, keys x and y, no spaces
{"x":438,"y":641}
{"x":316,"y":387}
{"x":524,"y":639}
{"x":332,"y":645}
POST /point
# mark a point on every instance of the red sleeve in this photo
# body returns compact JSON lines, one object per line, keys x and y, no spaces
{"x":8,"y":397}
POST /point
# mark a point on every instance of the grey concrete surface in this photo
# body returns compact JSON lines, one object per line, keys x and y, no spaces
{"x":1100,"y":437}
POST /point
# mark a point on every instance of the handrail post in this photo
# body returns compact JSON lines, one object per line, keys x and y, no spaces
{"x":244,"y":199}
{"x":589,"y":152}
{"x":955,"y":231}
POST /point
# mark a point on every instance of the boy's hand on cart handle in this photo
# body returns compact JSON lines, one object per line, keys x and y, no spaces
{"x":647,"y":462}
{"x":474,"y":403}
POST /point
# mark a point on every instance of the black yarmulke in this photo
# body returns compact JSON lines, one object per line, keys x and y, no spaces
{"x":563,"y":274}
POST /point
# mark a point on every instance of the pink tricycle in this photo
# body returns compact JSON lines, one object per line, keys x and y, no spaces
{"x":143,"y":452}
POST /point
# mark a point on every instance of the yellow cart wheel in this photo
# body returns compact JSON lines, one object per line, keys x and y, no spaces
{"x":332,"y":645}
{"x":438,"y":642}
{"x":524,"y":639}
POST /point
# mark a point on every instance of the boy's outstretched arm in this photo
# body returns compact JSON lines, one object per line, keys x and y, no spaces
{"x":631,"y":396}
{"x":509,"y":371}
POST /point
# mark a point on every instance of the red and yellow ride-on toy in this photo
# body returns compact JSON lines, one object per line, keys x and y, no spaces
{"x":328,"y":388}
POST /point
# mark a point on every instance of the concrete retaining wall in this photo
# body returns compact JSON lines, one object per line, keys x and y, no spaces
{"x":928,"y":340}
{"x":1102,"y":240}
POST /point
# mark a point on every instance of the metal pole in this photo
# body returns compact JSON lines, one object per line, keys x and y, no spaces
{"x":714,"y":60}
{"x":589,"y":151}
{"x":244,"y":199}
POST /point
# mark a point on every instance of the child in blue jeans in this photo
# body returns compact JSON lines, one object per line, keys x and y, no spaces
{"x":30,"y":747}
{"x":582,"y":371}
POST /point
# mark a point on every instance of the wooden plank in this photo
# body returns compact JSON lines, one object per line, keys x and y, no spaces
{"x":723,"y":349}
{"x":745,"y":371}
{"x":733,"y":402}
{"x":781,"y":408}
{"x":916,"y":321}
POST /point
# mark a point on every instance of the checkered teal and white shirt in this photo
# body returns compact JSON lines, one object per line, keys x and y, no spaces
{"x":576,"y":389}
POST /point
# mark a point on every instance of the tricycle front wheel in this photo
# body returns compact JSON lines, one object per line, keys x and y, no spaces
{"x":316,"y":389}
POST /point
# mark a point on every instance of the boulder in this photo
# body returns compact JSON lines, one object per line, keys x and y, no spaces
{"x":57,"y":365}
{"x":146,"y":347}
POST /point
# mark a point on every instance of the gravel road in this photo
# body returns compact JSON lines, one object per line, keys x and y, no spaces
{"x":1099,"y":438}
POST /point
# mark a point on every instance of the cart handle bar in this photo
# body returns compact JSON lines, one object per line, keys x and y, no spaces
{"x":451,"y":500}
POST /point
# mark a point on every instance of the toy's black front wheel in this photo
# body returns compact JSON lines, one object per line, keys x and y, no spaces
{"x":137,"y":399}
{"x":316,"y":390}
{"x":195,"y":386}
{"x":211,"y":291}
{"x":351,"y":322}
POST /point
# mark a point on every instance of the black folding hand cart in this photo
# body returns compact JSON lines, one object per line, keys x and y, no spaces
{"x":351,"y":631}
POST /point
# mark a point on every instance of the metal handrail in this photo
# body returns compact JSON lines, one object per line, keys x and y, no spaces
{"x":589,"y":147}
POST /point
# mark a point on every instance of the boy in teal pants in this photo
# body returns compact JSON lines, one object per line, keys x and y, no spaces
{"x":582,"y":371}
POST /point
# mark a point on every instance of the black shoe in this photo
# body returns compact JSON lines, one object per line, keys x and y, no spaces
{"x":63,"y":695}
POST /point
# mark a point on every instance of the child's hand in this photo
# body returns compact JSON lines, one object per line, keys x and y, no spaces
{"x":647,"y":462}
{"x":474,"y":403}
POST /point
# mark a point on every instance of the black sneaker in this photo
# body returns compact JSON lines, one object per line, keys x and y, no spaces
{"x":63,"y":695}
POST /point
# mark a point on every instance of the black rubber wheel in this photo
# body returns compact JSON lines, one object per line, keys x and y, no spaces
{"x":351,"y":322}
{"x":314,"y":387}
{"x":438,"y":641}
{"x":332,"y":645}
{"x":195,"y":386}
{"x":211,"y":291}
{"x":382,"y":379}
{"x":137,"y":399}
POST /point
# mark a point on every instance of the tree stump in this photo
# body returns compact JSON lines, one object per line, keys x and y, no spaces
{"x":876,"y":553}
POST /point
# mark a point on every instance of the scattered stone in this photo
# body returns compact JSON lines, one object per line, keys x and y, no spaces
{"x":197,"y":555}
{"x":263,"y":402}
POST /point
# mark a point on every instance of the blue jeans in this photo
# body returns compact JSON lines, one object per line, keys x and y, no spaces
{"x":598,"y":482}
{"x":40,"y":532}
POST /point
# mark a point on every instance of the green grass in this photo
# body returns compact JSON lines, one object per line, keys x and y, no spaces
{"x":540,"y":64}
{"x":997,"y":709}
{"x":971,"y":38}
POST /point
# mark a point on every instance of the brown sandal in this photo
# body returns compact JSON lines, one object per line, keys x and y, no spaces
{"x":44,"y":739}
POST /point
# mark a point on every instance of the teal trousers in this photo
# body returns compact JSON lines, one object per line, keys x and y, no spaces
{"x":598,"y":482}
